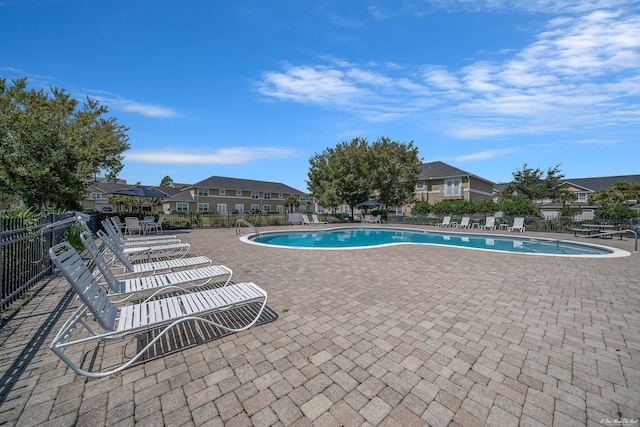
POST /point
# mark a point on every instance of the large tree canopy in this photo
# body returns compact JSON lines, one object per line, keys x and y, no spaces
{"x":50,"y":148}
{"x":355,"y":171}
{"x":531,"y":183}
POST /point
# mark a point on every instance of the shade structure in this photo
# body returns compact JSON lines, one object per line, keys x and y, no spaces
{"x":139,"y":192}
{"x":368,"y":204}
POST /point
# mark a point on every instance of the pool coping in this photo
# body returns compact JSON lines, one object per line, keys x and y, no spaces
{"x":613,"y":252}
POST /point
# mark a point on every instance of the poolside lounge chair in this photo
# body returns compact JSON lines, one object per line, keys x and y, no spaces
{"x":305,"y":220}
{"x":115,"y":220}
{"x":175,"y":280}
{"x":446,"y":222}
{"x":171,"y":247}
{"x":316,"y":221}
{"x":518,"y":224}
{"x":375,"y":219}
{"x":489,"y":224}
{"x":151,"y":266}
{"x":464,"y":222}
{"x":163,"y":314}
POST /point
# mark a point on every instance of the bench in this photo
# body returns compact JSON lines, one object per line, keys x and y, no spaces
{"x":584,"y":231}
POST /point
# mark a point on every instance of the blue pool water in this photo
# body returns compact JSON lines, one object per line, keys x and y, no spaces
{"x":344,"y":238}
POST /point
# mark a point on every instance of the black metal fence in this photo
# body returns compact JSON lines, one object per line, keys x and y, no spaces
{"x":24,"y":243}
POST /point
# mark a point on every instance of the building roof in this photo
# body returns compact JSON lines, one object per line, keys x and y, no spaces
{"x":601,"y":183}
{"x":246,"y":184}
{"x":439,"y":170}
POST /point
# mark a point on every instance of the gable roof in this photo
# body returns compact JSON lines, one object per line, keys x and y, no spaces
{"x":439,"y":170}
{"x":601,"y":183}
{"x":245,"y":184}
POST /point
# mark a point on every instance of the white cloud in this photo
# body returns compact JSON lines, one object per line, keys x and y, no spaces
{"x":236,"y":155}
{"x":484,"y":155}
{"x":582,"y":70}
{"x":117,"y":102}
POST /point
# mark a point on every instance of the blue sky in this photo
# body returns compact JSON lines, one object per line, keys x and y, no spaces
{"x":252,"y":89}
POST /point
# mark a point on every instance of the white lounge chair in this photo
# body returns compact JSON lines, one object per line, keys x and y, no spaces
{"x":366,"y":219}
{"x":115,"y":220}
{"x":305,"y":220}
{"x":170,"y":247}
{"x":176,"y":280}
{"x":375,"y":219}
{"x":316,"y":221}
{"x":489,"y":224}
{"x":153,"y":267}
{"x":464,"y":222}
{"x":100,"y":320}
{"x":518,"y":224}
{"x":446,"y":222}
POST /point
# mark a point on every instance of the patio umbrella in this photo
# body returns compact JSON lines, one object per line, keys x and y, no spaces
{"x":139,"y":192}
{"x":368,"y":204}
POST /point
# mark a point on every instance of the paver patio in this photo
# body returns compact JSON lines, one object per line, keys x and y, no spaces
{"x":406,"y":335}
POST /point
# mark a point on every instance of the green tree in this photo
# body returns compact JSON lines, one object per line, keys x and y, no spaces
{"x":395,"y":168}
{"x":532,"y":184}
{"x":355,"y":171}
{"x":291,"y":202}
{"x":341,"y":174}
{"x":166,"y":182}
{"x":618,"y":193}
{"x":50,"y":148}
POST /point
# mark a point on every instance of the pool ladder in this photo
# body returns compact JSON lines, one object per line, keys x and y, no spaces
{"x":241,"y":222}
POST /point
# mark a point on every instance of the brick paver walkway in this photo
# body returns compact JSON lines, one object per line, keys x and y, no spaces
{"x":397,"y":336}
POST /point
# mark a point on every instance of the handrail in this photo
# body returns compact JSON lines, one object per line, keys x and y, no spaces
{"x":611,"y":233}
{"x":248,"y":224}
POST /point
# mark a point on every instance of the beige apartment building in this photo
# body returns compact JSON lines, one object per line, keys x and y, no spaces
{"x":234,"y":195}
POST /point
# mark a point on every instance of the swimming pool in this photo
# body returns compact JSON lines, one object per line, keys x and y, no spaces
{"x":367,"y":237}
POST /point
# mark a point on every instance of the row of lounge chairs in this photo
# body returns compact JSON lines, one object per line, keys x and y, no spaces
{"x":145,"y":284}
{"x":489,"y":224}
{"x":314,"y":221}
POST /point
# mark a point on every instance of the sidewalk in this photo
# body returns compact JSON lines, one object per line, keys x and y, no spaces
{"x":405,"y":335}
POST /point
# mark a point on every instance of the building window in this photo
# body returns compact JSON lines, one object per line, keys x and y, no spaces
{"x":280,"y":196}
{"x":453,"y":187}
{"x":303,"y":198}
{"x":222,"y":192}
{"x":239,"y":193}
{"x":222,"y":208}
{"x":204,"y":192}
{"x":303,"y":208}
{"x":255,"y":194}
{"x":182,"y":206}
{"x":239,"y":208}
{"x":97,"y":196}
{"x":203,"y":206}
{"x":582,"y":197}
{"x":420,"y":185}
{"x":266,"y":208}
{"x":267,"y":196}
{"x":280,"y":209}
{"x":255,"y":207}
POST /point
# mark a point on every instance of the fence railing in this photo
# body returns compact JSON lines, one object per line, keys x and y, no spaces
{"x":24,"y":244}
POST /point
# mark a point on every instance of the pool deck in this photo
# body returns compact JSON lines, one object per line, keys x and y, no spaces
{"x":407,"y":335}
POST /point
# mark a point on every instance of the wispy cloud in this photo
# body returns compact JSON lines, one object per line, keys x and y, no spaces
{"x":582,"y":70}
{"x":484,"y":155}
{"x":235,"y":155}
{"x":117,"y":102}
